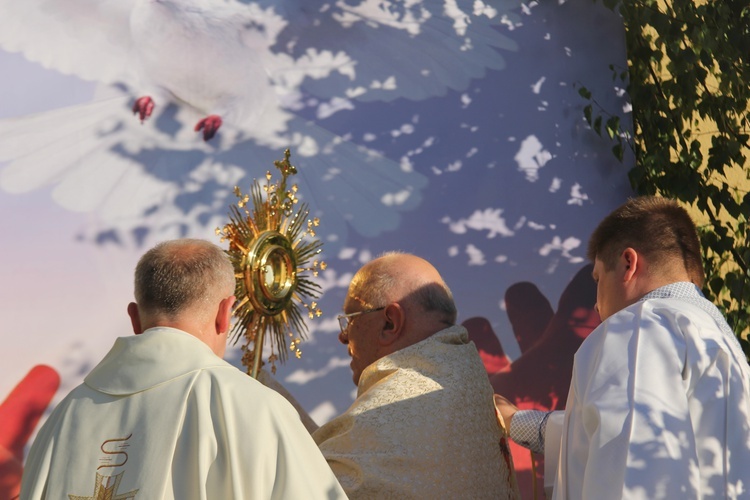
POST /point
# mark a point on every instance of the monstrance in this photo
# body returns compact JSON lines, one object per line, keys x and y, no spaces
{"x":273,"y":250}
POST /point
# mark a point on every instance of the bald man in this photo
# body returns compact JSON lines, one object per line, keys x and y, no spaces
{"x":423,"y":424}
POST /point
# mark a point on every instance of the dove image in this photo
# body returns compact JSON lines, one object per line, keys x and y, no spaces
{"x":451,"y":129}
{"x":263,"y":72}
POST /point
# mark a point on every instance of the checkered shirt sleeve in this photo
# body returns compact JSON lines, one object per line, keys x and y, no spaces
{"x":527,"y":429}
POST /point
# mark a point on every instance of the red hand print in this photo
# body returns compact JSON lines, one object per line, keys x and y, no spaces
{"x":19,"y":415}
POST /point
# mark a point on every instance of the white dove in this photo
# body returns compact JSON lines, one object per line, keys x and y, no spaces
{"x":197,"y":56}
{"x":216,"y":55}
{"x":247,"y":67}
{"x":207,"y":54}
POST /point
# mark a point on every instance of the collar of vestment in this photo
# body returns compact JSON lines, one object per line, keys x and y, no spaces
{"x":139,"y":362}
{"x":444,"y":340}
{"x":690,"y":293}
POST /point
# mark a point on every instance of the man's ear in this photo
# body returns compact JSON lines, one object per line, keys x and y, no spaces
{"x":395,"y":318}
{"x":135,"y":318}
{"x":631,"y":265}
{"x":224,"y":314}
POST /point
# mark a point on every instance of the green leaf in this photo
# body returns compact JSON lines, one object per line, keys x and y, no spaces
{"x":617,"y":150}
{"x":613,"y":126}
{"x":716,"y":285}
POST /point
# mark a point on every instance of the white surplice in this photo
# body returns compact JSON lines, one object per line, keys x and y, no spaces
{"x":423,"y":426}
{"x":659,"y":406}
{"x":163,"y":417}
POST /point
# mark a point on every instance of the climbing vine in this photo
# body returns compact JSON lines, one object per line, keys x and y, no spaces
{"x":688,"y":79}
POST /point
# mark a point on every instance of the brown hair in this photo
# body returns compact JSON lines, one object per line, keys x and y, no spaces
{"x":658,"y":228}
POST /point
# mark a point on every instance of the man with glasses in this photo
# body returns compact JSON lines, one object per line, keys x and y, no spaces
{"x":423,"y":424}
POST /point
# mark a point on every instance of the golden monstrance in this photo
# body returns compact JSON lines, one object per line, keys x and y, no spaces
{"x":273,"y":250}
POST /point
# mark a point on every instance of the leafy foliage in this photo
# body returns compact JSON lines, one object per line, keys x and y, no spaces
{"x":688,"y":79}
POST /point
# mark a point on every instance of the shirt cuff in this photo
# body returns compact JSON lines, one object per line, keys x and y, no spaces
{"x":527,"y":429}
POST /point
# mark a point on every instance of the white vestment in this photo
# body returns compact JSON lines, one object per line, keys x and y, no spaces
{"x":163,"y":417}
{"x":659,"y":407}
{"x":423,"y":426}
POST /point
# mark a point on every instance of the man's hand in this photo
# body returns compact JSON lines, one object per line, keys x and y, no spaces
{"x":506,"y":410}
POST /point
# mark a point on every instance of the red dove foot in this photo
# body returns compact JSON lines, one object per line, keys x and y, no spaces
{"x":143,"y":107}
{"x":210,"y":125}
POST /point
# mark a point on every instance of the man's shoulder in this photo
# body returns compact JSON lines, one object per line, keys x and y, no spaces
{"x":228,"y":375}
{"x":237,"y":387}
{"x":666,"y":320}
{"x":665,"y":308}
{"x":446,"y":364}
{"x":681,"y":315}
{"x":672,"y":305}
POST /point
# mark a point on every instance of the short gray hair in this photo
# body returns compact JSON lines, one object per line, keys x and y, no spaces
{"x":180,"y":274}
{"x":437,"y":297}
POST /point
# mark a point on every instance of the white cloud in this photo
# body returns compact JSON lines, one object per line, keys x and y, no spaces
{"x":328,"y":325}
{"x":406,"y":164}
{"x":397,"y":198}
{"x":489,"y":220}
{"x":347,"y":253}
{"x":365,"y":256}
{"x":476,"y":256}
{"x":482,"y":9}
{"x":577,"y":197}
{"x":531,"y":157}
{"x":460,"y":18}
{"x":337,"y":104}
{"x":322,"y":413}
{"x":329,"y":279}
{"x":387,"y":84}
{"x":564,"y":247}
{"x":302,"y":377}
{"x":537,"y":87}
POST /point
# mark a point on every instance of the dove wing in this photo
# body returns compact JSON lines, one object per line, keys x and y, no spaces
{"x":86,"y":38}
{"x":389,"y":50}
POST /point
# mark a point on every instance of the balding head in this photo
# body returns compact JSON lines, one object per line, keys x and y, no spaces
{"x":401,"y":277}
{"x":395,"y":301}
{"x":182,"y":275}
{"x":185,"y":284}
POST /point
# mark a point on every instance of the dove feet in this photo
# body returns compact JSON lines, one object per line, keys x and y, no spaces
{"x":210,"y":125}
{"x":143,"y":107}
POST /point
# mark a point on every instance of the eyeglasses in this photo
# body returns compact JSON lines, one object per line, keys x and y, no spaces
{"x":345,"y":319}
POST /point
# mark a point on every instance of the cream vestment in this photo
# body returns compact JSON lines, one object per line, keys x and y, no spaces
{"x":163,"y":417}
{"x":423,"y":426}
